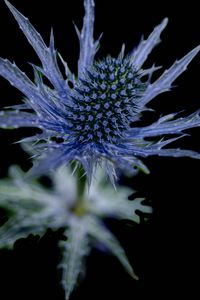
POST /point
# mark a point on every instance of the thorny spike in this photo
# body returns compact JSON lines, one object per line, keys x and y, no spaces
{"x":45,"y":54}
{"x":88,"y":47}
{"x":140,"y":54}
{"x":164,"y":83}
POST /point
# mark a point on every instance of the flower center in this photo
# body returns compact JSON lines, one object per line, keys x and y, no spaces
{"x":105,"y":101}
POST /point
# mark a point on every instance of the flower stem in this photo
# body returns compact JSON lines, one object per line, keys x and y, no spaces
{"x":81,"y":181}
{"x":79,"y":207}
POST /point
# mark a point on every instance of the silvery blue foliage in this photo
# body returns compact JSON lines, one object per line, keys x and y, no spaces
{"x":36,"y":208}
{"x":93,"y":114}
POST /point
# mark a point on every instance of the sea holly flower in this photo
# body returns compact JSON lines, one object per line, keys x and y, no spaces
{"x":35,"y":208}
{"x":90,"y":117}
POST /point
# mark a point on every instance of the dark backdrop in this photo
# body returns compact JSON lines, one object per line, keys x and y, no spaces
{"x":163,"y":250}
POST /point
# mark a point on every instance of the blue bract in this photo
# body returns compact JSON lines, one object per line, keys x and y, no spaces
{"x":90,"y":118}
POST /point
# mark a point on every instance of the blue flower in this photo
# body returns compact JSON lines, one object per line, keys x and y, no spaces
{"x":91,"y":118}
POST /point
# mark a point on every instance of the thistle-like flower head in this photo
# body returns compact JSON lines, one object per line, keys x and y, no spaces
{"x":104,"y":101}
{"x":90,"y":118}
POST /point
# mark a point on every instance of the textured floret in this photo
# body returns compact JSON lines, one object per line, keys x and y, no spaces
{"x":104,"y":101}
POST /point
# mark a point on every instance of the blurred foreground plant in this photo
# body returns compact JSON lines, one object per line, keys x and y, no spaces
{"x":34,"y":208}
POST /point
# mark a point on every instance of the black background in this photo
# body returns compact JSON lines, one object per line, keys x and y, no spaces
{"x":164,"y":250}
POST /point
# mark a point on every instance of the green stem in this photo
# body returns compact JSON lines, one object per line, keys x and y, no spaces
{"x":81,"y":181}
{"x":79,"y":207}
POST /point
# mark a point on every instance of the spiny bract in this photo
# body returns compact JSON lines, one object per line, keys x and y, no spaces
{"x":90,"y":118}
